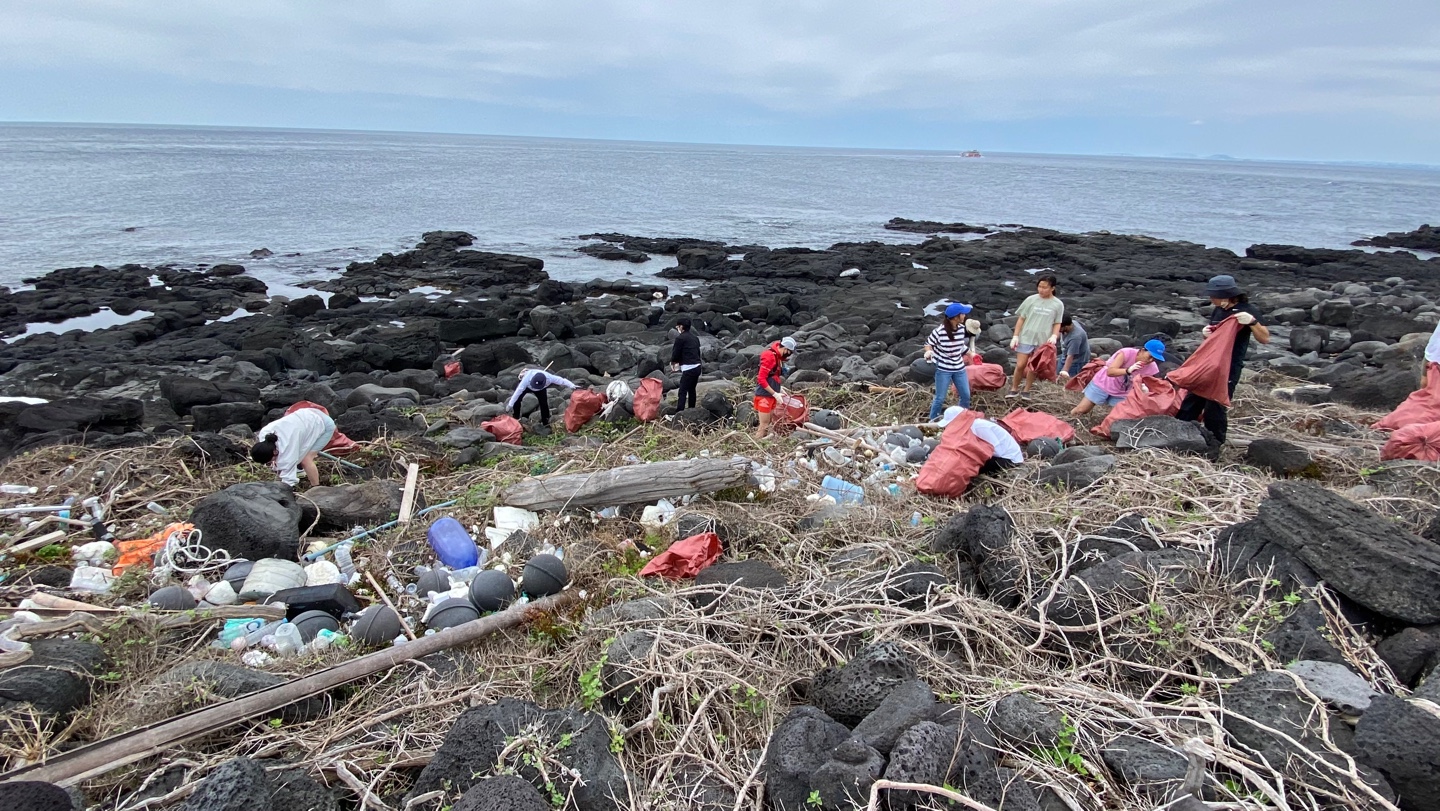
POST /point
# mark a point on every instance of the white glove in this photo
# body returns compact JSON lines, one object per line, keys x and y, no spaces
{"x":1133,"y":368}
{"x":1245,"y":319}
{"x":1207,"y":330}
{"x":1054,"y":340}
{"x":1014,"y":342}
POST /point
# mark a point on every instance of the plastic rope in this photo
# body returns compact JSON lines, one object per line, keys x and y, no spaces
{"x":184,"y":554}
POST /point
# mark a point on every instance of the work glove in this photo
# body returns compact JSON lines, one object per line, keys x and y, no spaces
{"x":1207,"y":330}
{"x":1054,"y":340}
{"x":1133,"y":368}
{"x":1014,"y":343}
{"x":1245,"y":319}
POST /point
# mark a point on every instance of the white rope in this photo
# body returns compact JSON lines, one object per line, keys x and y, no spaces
{"x":185,"y":555}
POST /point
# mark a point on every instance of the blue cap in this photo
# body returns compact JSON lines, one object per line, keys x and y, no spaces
{"x":1156,"y":348}
{"x":957,"y":309}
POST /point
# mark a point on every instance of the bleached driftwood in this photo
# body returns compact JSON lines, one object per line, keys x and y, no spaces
{"x":632,"y":484}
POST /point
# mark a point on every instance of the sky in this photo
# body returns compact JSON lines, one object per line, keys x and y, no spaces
{"x":1318,"y":80}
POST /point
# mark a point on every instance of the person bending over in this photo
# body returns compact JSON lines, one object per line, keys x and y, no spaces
{"x":1005,"y":451}
{"x":1074,"y":347}
{"x":292,"y":442}
{"x":768,"y":388}
{"x":536,"y":382}
{"x":1110,"y":385}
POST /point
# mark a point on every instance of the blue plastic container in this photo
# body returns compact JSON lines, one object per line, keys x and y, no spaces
{"x":452,"y":544}
{"x":842,"y":491}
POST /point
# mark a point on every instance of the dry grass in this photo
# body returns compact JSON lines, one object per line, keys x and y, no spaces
{"x":717,"y":682}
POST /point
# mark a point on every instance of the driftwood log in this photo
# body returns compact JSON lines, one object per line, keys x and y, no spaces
{"x":633,"y":484}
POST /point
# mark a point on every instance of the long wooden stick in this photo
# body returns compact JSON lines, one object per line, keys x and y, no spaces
{"x":104,"y":756}
{"x":375,"y":584}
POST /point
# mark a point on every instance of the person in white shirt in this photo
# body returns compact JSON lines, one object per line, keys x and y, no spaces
{"x":536,"y":381}
{"x":1007,"y":453}
{"x":1432,"y":358}
{"x":292,"y":442}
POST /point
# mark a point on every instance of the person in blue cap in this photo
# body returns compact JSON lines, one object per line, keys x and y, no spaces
{"x":1111,"y":385}
{"x":948,"y":347}
{"x":1229,"y":300}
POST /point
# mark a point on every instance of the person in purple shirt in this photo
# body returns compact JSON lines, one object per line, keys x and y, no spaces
{"x":1112,"y":383}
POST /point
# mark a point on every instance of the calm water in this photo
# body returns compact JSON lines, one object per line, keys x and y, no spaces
{"x":68,"y":194}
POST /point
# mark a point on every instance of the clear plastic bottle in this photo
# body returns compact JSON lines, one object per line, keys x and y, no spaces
{"x":288,"y":641}
{"x":18,"y":490}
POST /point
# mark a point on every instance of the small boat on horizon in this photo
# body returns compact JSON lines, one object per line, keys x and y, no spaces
{"x":971,"y":153}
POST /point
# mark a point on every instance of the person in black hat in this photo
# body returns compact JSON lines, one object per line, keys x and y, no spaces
{"x":1228,"y":299}
{"x":685,"y":359}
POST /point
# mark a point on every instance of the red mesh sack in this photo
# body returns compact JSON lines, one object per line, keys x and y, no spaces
{"x":505,"y":428}
{"x":685,"y":558}
{"x":1416,"y":441}
{"x":647,"y":400}
{"x":1206,"y":373}
{"x":1086,"y":374}
{"x":584,"y":405}
{"x":1043,"y":363}
{"x":1148,"y":397}
{"x":1420,"y":407}
{"x":985,"y":376}
{"x":1027,"y":426}
{"x":791,"y":412}
{"x":956,"y":460}
{"x":452,"y":368}
{"x":305,"y":404}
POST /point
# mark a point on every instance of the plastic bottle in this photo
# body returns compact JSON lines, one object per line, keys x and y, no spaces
{"x":342,"y":559}
{"x":257,"y":635}
{"x":452,"y":544}
{"x":915,"y":519}
{"x":18,"y":490}
{"x":287,"y":639}
{"x":893,"y":490}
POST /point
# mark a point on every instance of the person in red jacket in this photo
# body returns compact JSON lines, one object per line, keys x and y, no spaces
{"x":768,"y":389}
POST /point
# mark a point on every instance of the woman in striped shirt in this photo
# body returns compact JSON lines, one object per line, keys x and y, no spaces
{"x":947,"y":348}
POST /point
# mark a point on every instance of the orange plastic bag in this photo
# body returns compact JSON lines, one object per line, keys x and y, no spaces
{"x":685,"y":559}
{"x":1420,"y":407}
{"x":959,"y":457}
{"x":584,"y":405}
{"x":1419,"y":441}
{"x":339,"y":444}
{"x":1206,"y":373}
{"x":1086,"y":374}
{"x":1027,"y":426}
{"x":142,"y":551}
{"x":1043,"y":363}
{"x":1148,"y":397}
{"x":505,"y":428}
{"x":646,"y":404}
{"x":985,"y":376}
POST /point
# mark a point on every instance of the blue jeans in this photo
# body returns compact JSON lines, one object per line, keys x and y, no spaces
{"x":960,"y":379}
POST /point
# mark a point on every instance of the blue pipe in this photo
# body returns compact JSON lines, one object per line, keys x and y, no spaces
{"x":316,"y":555}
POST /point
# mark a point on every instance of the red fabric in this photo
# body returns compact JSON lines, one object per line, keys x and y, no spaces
{"x":1207,"y":371}
{"x":1043,"y":361}
{"x":305,"y":404}
{"x":1148,"y":397}
{"x":339,"y":444}
{"x":770,"y":363}
{"x":1419,"y":441}
{"x":685,"y":558}
{"x":1085,"y":375}
{"x":955,"y":462}
{"x":985,"y":376}
{"x":505,"y":428}
{"x":794,"y":411}
{"x":584,"y":405}
{"x":1420,"y":407}
{"x":1027,"y":426}
{"x":647,"y":399}
{"x":452,"y":368}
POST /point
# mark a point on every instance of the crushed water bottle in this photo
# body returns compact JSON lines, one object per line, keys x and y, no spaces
{"x":915,"y":519}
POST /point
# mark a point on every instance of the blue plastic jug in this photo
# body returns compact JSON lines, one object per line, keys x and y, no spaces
{"x":452,"y":544}
{"x":842,"y":491}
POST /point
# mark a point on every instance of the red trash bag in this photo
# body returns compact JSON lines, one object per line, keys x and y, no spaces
{"x":1086,"y":374}
{"x":339,"y":444}
{"x":685,"y":558}
{"x":985,"y":376}
{"x":1421,"y":406}
{"x":791,"y":412}
{"x":960,"y":455}
{"x":1419,"y":441}
{"x":504,"y":428}
{"x":646,"y":404}
{"x":584,"y":405}
{"x":1043,"y":363}
{"x":1206,"y":373}
{"x":1148,"y":397}
{"x":1027,"y":426}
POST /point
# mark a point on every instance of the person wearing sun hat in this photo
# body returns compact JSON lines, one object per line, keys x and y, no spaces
{"x":1006,"y":451}
{"x":1228,"y":300}
{"x":948,"y":347}
{"x":1111,"y":384}
{"x":768,"y":388}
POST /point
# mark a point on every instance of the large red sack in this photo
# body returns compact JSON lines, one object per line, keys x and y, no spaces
{"x":584,"y":405}
{"x":985,"y":376}
{"x":956,"y":460}
{"x":685,"y":558}
{"x":505,"y":428}
{"x":1421,"y":406}
{"x":647,"y":400}
{"x":1419,"y":441}
{"x":1086,"y":374}
{"x":1148,"y":397}
{"x":1043,"y":362}
{"x":339,"y":444}
{"x":1027,"y":426}
{"x":1206,"y":372}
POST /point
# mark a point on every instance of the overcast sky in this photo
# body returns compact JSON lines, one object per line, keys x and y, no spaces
{"x":1321,"y":79}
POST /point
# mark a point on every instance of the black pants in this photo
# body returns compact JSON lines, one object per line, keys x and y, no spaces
{"x":1214,"y":416}
{"x":544,"y":399}
{"x":688,"y":381}
{"x":995,"y":465}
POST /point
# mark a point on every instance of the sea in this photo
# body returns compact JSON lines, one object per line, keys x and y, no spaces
{"x":316,"y":200}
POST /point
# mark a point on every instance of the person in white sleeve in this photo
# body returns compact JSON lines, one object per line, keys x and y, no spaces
{"x":1007,"y":453}
{"x":536,"y":381}
{"x":292,"y":442}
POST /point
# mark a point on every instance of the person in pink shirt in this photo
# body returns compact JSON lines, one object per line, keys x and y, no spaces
{"x":1110,"y":386}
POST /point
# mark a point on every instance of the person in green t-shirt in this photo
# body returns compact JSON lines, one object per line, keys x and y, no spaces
{"x":1039,"y":324}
